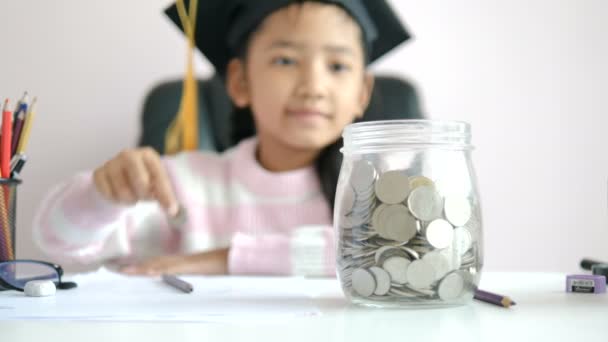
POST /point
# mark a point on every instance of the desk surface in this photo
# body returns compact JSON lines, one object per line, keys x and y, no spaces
{"x":544,"y":312}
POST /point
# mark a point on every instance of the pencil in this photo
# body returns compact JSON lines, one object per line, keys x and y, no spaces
{"x":177,"y":283}
{"x":27,"y":126}
{"x":19,"y":118}
{"x":493,"y":298}
{"x":21,"y":105}
{"x":5,"y":141}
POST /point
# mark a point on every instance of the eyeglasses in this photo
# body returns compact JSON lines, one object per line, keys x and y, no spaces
{"x":14,"y":274}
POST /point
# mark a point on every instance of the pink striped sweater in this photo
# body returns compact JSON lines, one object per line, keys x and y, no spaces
{"x":274,"y":223}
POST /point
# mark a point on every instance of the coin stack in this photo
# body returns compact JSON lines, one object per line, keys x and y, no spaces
{"x":402,"y":240}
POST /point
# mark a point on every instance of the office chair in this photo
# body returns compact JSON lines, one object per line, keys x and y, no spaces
{"x":392,"y":98}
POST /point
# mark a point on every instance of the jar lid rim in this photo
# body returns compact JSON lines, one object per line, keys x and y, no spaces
{"x":407,"y":134}
{"x":410,"y":122}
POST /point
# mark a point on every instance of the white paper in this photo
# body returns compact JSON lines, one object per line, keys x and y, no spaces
{"x":104,"y":295}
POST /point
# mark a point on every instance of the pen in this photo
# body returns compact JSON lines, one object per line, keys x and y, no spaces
{"x":492,"y":298}
{"x":177,"y":283}
{"x":17,"y":166}
{"x":587,"y":264}
{"x":15,"y":159}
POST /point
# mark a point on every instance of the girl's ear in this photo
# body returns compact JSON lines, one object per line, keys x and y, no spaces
{"x":236,"y":83}
{"x":366,"y":93}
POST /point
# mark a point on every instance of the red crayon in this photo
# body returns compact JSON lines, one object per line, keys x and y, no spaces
{"x":5,"y":141}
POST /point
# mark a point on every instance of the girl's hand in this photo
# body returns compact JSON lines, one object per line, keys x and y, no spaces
{"x":135,"y":175}
{"x":213,"y":262}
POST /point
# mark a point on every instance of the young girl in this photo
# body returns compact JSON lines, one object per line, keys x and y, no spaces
{"x":263,"y":207}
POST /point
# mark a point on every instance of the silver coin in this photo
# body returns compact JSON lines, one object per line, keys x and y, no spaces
{"x":363,"y":253}
{"x":467,"y":263}
{"x":427,"y":292}
{"x":418,"y":226}
{"x":440,"y":263}
{"x":397,"y":224}
{"x":383,"y":280}
{"x":413,"y":255}
{"x":348,"y":200}
{"x":457,"y":210}
{"x":451,"y":287}
{"x":363,"y":208}
{"x":425,"y":203}
{"x":384,"y":242}
{"x":462,"y":241}
{"x":384,"y":252}
{"x":403,"y":293}
{"x":420,"y":274}
{"x":397,"y":268}
{"x":453,"y":258}
{"x":179,"y":219}
{"x":364,"y":195}
{"x":439,"y":233}
{"x":376,"y":216}
{"x":470,"y":258}
{"x":364,"y":213}
{"x":450,"y":186}
{"x":362,"y":204}
{"x":418,"y":240}
{"x":364,"y":282}
{"x":359,"y":219}
{"x":392,"y":187}
{"x":417,"y":181}
{"x":409,"y":293}
{"x":346,"y":223}
{"x":363,"y":176}
{"x":422,"y":250}
{"x":361,"y":235}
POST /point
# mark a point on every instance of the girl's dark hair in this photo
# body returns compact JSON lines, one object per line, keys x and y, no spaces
{"x":329,"y":160}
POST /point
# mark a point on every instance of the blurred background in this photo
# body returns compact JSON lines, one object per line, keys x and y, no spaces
{"x":530,"y":76}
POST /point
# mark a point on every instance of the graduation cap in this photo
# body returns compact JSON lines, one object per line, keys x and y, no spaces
{"x":222,"y":24}
{"x":217,"y":27}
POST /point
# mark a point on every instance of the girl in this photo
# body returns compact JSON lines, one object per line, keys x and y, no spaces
{"x":263,"y":207}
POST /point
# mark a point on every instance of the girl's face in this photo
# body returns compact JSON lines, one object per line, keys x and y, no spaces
{"x":304,"y":76}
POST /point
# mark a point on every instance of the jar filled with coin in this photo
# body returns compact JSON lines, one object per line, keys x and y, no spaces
{"x":407,"y":214}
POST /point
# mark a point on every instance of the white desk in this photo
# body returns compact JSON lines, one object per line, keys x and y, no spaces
{"x":544,"y":312}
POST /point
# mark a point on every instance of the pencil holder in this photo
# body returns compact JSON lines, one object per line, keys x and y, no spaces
{"x":407,"y":214}
{"x":8,"y":202}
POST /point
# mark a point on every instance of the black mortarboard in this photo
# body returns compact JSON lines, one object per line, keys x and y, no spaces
{"x":222,"y":24}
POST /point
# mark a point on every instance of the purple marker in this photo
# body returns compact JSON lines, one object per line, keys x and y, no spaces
{"x":584,"y":283}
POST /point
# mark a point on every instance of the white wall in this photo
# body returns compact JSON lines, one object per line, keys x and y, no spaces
{"x":529,"y":75}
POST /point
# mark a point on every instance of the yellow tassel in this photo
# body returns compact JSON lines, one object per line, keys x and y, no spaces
{"x":182,"y":134}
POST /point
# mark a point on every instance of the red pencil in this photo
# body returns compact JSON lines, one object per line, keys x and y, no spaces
{"x":5,"y":141}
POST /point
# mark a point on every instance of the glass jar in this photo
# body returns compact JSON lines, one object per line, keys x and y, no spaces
{"x":407,"y":214}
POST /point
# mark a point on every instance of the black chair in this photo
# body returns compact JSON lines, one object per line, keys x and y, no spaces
{"x":392,"y":98}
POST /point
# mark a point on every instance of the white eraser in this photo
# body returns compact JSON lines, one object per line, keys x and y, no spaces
{"x":40,"y":288}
